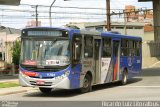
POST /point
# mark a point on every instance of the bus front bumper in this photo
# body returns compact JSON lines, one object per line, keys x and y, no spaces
{"x":27,"y":81}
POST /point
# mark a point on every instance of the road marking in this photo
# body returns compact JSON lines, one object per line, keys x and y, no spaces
{"x":140,"y":86}
{"x":152,"y":65}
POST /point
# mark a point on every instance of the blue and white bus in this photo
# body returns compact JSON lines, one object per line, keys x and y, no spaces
{"x":66,"y":58}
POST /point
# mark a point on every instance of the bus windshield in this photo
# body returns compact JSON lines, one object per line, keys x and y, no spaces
{"x":45,"y":53}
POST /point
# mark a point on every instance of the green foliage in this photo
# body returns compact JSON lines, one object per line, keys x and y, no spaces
{"x":16,"y":52}
{"x":8,"y":84}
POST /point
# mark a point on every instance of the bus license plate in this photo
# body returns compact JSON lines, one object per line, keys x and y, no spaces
{"x":40,"y":82}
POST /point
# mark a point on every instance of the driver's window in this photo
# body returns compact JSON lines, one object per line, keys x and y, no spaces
{"x":76,"y":48}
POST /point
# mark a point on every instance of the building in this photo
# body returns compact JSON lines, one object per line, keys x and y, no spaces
{"x":135,"y":15}
{"x":33,"y":23}
{"x":156,"y":15}
{"x":130,"y":28}
{"x":6,"y":2}
{"x":7,"y":38}
{"x":9,"y":30}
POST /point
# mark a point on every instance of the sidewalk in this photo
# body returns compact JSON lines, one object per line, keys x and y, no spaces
{"x":12,"y":90}
{"x":149,"y":62}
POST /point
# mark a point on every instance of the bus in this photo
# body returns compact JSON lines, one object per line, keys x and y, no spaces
{"x":67,"y":58}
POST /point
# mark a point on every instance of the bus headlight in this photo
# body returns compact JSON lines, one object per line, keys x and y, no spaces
{"x":23,"y":75}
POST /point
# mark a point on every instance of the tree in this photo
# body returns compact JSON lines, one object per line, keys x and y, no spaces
{"x":16,"y":52}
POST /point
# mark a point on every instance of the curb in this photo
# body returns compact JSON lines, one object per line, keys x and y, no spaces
{"x":15,"y":92}
{"x":3,"y":81}
{"x":9,"y":81}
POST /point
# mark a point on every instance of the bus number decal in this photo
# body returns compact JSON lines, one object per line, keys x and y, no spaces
{"x":50,"y":75}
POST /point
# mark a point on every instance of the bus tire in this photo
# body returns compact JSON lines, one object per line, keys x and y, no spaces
{"x":45,"y":90}
{"x":124,"y":77}
{"x":86,"y":84}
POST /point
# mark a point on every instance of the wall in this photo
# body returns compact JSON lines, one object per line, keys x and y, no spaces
{"x":133,"y":31}
{"x":148,"y":36}
{"x":151,"y":49}
{"x":8,"y":52}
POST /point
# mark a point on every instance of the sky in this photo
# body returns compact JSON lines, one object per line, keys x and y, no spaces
{"x":61,"y":19}
{"x":87,"y":3}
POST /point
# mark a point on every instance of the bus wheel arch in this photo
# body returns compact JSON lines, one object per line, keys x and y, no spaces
{"x":87,"y":83}
{"x":90,"y":74}
{"x":124,"y":76}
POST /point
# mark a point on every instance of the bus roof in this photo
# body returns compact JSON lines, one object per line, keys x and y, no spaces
{"x":108,"y":34}
{"x":103,"y":34}
{"x":61,"y":28}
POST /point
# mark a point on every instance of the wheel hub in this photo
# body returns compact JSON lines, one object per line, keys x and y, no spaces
{"x":86,"y":83}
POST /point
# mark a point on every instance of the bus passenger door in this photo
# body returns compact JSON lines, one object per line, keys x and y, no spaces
{"x":97,"y":51}
{"x":116,"y":59}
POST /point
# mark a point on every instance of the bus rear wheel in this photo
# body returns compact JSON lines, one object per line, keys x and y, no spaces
{"x":45,"y":90}
{"x":87,"y":84}
{"x":124,"y":77}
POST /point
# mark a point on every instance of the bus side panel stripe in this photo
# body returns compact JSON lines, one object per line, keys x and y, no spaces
{"x":110,"y":72}
{"x":115,"y":69}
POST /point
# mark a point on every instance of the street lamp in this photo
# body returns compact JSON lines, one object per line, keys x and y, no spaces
{"x":50,"y":13}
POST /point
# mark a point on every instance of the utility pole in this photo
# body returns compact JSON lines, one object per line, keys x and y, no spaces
{"x":125,"y":22}
{"x":36,"y":15}
{"x":108,"y":15}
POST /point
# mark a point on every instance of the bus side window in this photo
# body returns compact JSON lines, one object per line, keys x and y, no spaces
{"x":88,"y":47}
{"x":124,"y":47}
{"x":138,"y":48}
{"x":131,"y":47}
{"x":106,"y":49}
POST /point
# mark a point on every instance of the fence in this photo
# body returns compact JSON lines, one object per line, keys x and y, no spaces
{"x":9,"y":69}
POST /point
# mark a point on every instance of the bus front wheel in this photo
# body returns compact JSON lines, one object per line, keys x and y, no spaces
{"x":45,"y":90}
{"x":124,"y":77}
{"x":87,"y":84}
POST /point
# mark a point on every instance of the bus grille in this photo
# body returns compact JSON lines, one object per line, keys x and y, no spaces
{"x":42,"y":77}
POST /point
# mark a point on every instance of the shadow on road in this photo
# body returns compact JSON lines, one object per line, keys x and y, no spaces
{"x":150,"y":72}
{"x":76,"y":92}
{"x":134,"y":80}
{"x":55,"y":93}
{"x":115,"y":84}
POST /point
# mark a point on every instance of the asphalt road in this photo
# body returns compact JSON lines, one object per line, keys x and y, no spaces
{"x":145,"y":87}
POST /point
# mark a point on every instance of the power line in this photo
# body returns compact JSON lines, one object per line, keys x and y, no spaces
{"x":70,"y":7}
{"x":89,"y":14}
{"x":82,"y":13}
